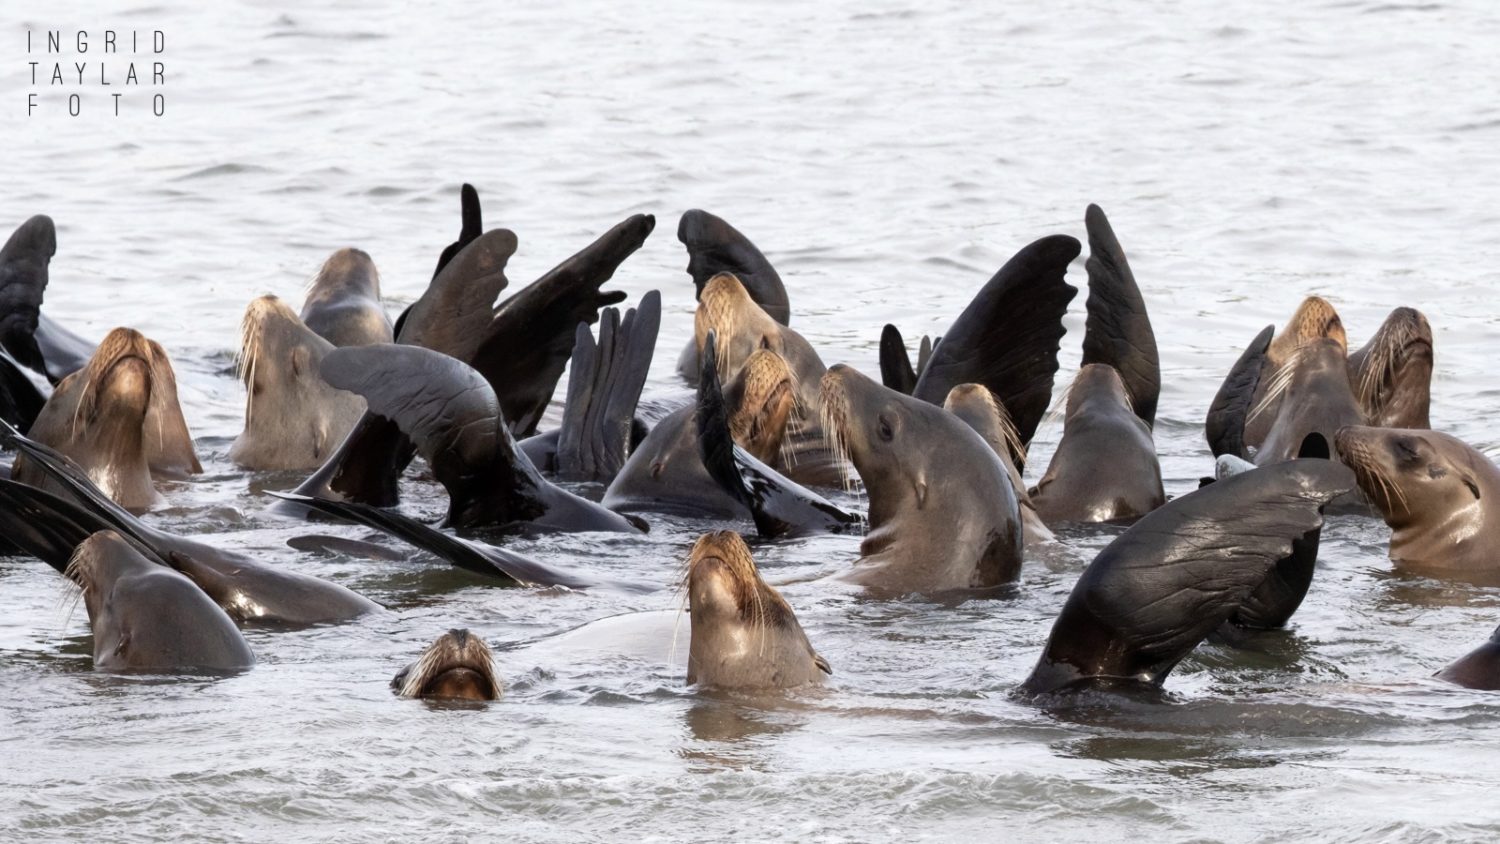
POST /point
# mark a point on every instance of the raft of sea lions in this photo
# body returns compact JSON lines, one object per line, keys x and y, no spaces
{"x":1302,"y":429}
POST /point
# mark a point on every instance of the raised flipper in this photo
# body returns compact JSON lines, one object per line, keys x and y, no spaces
{"x":527,"y":344}
{"x":603,"y":390}
{"x":1007,"y":338}
{"x":510,"y":568}
{"x":895,"y":364}
{"x":20,"y":400}
{"x":1224,"y":428}
{"x":779,"y":506}
{"x":716,"y":247}
{"x":1118,"y":329}
{"x":80,"y":489}
{"x":472,"y":227}
{"x":1177,"y":574}
{"x":23,"y":280}
{"x":43,"y":525}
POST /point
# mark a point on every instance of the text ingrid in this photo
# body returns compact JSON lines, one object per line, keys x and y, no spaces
{"x":74,"y":73}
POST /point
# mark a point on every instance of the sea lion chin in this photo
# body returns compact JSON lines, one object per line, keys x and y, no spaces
{"x":458,"y":666}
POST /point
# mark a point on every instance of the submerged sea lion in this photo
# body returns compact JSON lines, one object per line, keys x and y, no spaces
{"x":293,"y":418}
{"x":943,"y":514}
{"x":744,"y":634}
{"x":1478,"y":669}
{"x":1176,"y":575}
{"x":343,"y":302}
{"x":1435,"y":492}
{"x":119,"y":419}
{"x":980,"y":410}
{"x":147,"y":617}
{"x":1105,"y":467}
{"x":1392,"y":373}
{"x":458,"y":666}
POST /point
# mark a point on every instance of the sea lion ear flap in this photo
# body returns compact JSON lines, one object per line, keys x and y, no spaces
{"x":1473,"y":487}
{"x":301,"y":360}
{"x":921,"y":487}
{"x":822,"y":663}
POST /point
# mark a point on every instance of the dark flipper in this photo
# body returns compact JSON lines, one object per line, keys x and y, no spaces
{"x":321,"y":544}
{"x":527,"y":344}
{"x":1225,"y":426}
{"x":1118,"y":330}
{"x":1160,"y":588}
{"x":23,"y":280}
{"x":603,"y":390}
{"x":473,"y":226}
{"x":20,"y":400}
{"x":716,"y":247}
{"x":64,"y":351}
{"x":895,"y":362}
{"x":779,"y":506}
{"x":43,"y":525}
{"x":509,"y":568}
{"x":1007,"y":338}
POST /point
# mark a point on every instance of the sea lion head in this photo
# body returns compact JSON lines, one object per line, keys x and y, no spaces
{"x":744,"y":634}
{"x":884,"y":433}
{"x":740,"y":326}
{"x":764,"y":397}
{"x":1393,"y":372}
{"x":1097,"y":382}
{"x":458,"y":666}
{"x":1314,"y":319}
{"x":1415,"y":476}
{"x":986,"y":414}
{"x":98,"y":563}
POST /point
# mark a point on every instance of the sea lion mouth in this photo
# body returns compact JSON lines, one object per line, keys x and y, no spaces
{"x":726,"y":309}
{"x":971,"y":394}
{"x":767,"y":403}
{"x":1315,"y":319}
{"x":120,"y":368}
{"x":458,"y":665}
{"x":720,"y":566}
{"x":835,"y":414}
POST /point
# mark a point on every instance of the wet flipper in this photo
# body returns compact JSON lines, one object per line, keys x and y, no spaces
{"x":779,"y":506}
{"x":20,"y":400}
{"x":23,"y":281}
{"x":331,"y":545}
{"x":528,"y":342}
{"x":895,"y":364}
{"x":1008,"y":336}
{"x":44,"y":525}
{"x":715,"y":247}
{"x":1118,"y":329}
{"x":64,"y":351}
{"x":1224,"y":428}
{"x":472,"y":226}
{"x":1177,"y":574}
{"x":603,"y":390}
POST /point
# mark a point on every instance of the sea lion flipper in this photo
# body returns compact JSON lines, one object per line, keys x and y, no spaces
{"x":1224,"y":428}
{"x":444,"y":406}
{"x":20,"y":399}
{"x":604,"y":387}
{"x":1174,"y":576}
{"x":1008,"y":336}
{"x":895,"y":363}
{"x":1118,"y":329}
{"x":78,"y":487}
{"x":472,"y":227}
{"x":714,"y":246}
{"x":527,"y":343}
{"x":63,"y":351}
{"x":44,"y":525}
{"x":23,"y":281}
{"x":634,"y":350}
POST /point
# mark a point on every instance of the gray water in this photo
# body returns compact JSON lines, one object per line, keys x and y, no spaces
{"x":888,"y":159}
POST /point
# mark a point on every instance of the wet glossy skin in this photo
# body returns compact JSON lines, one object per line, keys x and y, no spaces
{"x":457,"y":666}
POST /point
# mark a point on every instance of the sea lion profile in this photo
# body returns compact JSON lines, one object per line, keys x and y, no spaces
{"x":147,"y":617}
{"x":715,"y":247}
{"x":293,"y":418}
{"x":1105,"y":467}
{"x":744,"y":634}
{"x":343,"y":301}
{"x":1179,"y":573}
{"x":980,"y":410}
{"x":943,"y":515}
{"x":1392,"y":373}
{"x":458,"y":666}
{"x":1479,"y":669}
{"x":1435,"y":492}
{"x":119,"y":419}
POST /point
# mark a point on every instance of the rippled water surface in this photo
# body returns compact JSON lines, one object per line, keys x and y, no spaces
{"x":888,"y":159}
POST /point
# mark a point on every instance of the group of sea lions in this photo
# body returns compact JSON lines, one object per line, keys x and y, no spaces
{"x":1301,"y":427}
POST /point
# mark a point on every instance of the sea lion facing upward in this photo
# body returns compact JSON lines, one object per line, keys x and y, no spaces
{"x":343,"y":302}
{"x":1435,"y":492}
{"x":293,"y":418}
{"x":147,"y":617}
{"x":1315,"y":319}
{"x":1309,"y":396}
{"x":744,"y":634}
{"x":119,"y":419}
{"x":943,"y":514}
{"x":458,"y":666}
{"x":1392,"y":373}
{"x":1105,"y":468}
{"x":715,"y":247}
{"x":980,"y":410}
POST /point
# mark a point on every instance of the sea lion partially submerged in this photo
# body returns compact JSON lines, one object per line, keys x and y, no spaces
{"x":343,"y":301}
{"x":458,"y":666}
{"x":744,"y":634}
{"x":980,"y":410}
{"x":293,"y":418}
{"x":149,"y":618}
{"x":1392,"y":374}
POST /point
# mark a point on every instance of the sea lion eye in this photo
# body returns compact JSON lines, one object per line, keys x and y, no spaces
{"x":885,"y":429}
{"x":765,"y":342}
{"x":1474,"y":488}
{"x":1404,"y":449}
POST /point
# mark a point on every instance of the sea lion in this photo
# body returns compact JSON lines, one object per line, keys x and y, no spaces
{"x":343,"y":301}
{"x":1105,"y":467}
{"x":1176,"y":575}
{"x":744,"y":634}
{"x":1479,"y":669}
{"x":1315,"y":319}
{"x":1435,"y":492}
{"x":1310,"y":396}
{"x":715,"y":247}
{"x":147,"y":617}
{"x":980,"y":410}
{"x":293,"y":418}
{"x":50,"y":527}
{"x":458,"y":666}
{"x":943,"y":515}
{"x":1118,"y":330}
{"x":114,"y":416}
{"x":1392,"y":374}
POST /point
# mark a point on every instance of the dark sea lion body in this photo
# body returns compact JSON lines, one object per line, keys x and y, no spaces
{"x":343,"y":304}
